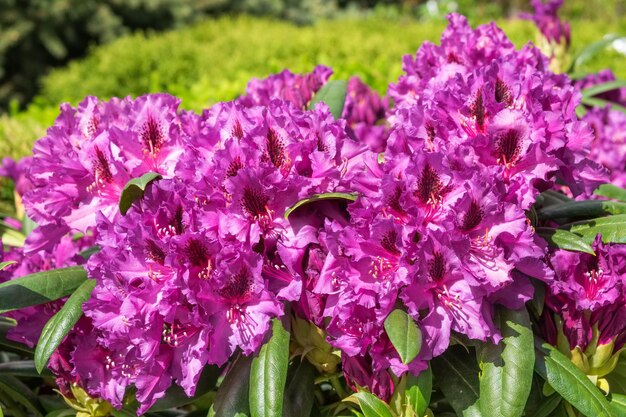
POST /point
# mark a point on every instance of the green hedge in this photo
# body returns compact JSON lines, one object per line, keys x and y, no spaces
{"x":212,"y":61}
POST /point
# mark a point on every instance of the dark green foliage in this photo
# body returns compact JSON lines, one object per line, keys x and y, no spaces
{"x":37,"y":35}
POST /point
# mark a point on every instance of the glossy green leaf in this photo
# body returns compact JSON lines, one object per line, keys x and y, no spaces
{"x":5,"y":264}
{"x":61,"y":323}
{"x":300,"y":392}
{"x":28,"y":225}
{"x":1,"y":412}
{"x":62,"y":413}
{"x":176,"y":397}
{"x":51,"y":402}
{"x":611,"y":191}
{"x":548,"y":406}
{"x":598,"y":102}
{"x":563,"y":239}
{"x":320,"y":197}
{"x":232,"y":395}
{"x":582,"y":209}
{"x":9,"y":345}
{"x":22,"y":368}
{"x":603,"y":88}
{"x":333,"y":93}
{"x":456,"y":373}
{"x":21,"y":394}
{"x":40,"y":288}
{"x":612,"y":228}
{"x":404,"y":334}
{"x":86,"y":254}
{"x":551,"y":198}
{"x":418,"y":391}
{"x":269,"y":374}
{"x":618,"y":404}
{"x":572,"y":384}
{"x":592,"y":50}
{"x":507,"y":368}
{"x":617,"y":378}
{"x":14,"y":238}
{"x":372,"y":406}
{"x":134,"y":189}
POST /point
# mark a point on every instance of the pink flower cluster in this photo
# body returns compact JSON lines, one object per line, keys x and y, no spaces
{"x":197,"y":268}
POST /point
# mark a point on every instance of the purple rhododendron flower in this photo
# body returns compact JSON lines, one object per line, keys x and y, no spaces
{"x":587,"y":281}
{"x":81,"y":166}
{"x":609,"y":127}
{"x":547,"y":20}
{"x":364,"y":110}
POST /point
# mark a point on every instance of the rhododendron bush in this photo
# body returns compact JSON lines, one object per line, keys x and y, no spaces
{"x":315,"y":249}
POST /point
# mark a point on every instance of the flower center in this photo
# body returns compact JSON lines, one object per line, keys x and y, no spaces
{"x":238,"y":130}
{"x":472,"y":217}
{"x":275,"y":149}
{"x":238,"y":287}
{"x":197,"y":253}
{"x":152,"y":135}
{"x":508,"y":147}
{"x":503,"y":93}
{"x":430,"y":188}
{"x":478,"y":110}
{"x":388,"y":242}
{"x":234,"y":167}
{"x":254,"y":203}
{"x":437,"y":267}
{"x":154,"y":252}
{"x":101,"y":168}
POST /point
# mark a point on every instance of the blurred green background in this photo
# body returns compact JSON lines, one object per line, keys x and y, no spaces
{"x":53,"y":51}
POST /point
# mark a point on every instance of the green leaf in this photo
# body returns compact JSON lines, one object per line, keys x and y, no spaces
{"x":4,"y":264}
{"x":333,"y":93}
{"x":232,"y":395}
{"x":61,"y":323}
{"x":419,"y":390}
{"x":404,"y":334}
{"x":300,"y":392}
{"x":40,"y":288}
{"x":269,"y":374}
{"x":612,"y":228}
{"x":21,"y":394}
{"x":320,"y":197}
{"x":592,"y":50}
{"x":176,"y":397}
{"x":507,"y":368}
{"x":14,"y":238}
{"x":372,"y":406}
{"x":9,"y":345}
{"x":22,"y":368}
{"x":134,"y":189}
{"x":618,"y":404}
{"x":28,"y":225}
{"x":90,"y":251}
{"x":52,"y":402}
{"x":611,"y":191}
{"x":617,"y":378}
{"x":598,"y":102}
{"x":562,"y":239}
{"x":570,"y":382}
{"x":548,"y":406}
{"x":456,"y":373}
{"x":582,"y":209}
{"x":603,"y":88}
{"x":62,"y":413}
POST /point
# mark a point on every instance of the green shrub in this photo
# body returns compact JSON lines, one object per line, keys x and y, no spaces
{"x":37,"y":35}
{"x":213,"y":61}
